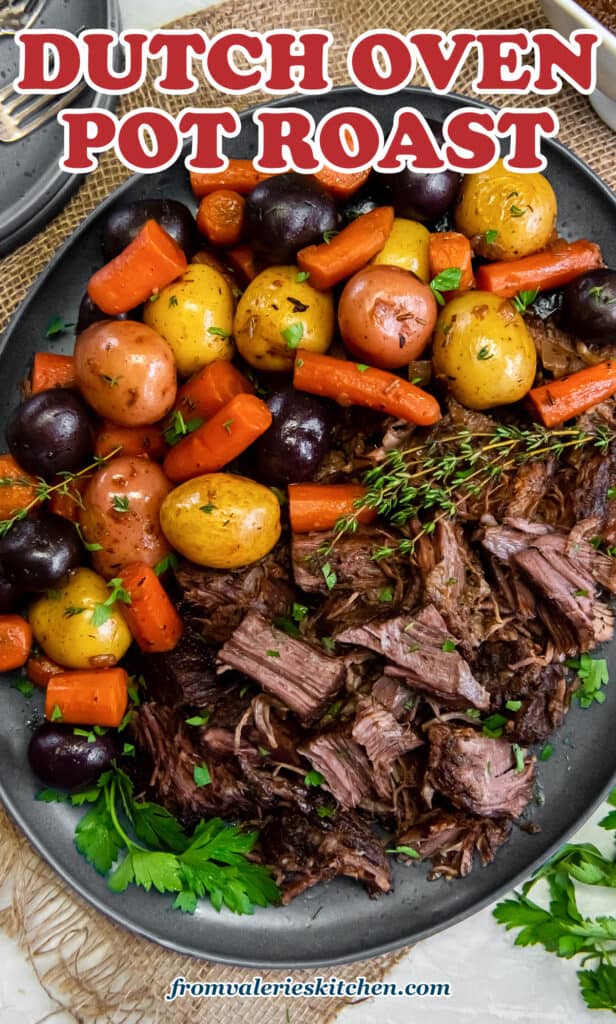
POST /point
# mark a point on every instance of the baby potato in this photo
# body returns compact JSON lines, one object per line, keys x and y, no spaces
{"x":195,"y":317}
{"x":121,"y":507}
{"x":407,"y":247}
{"x":483,"y":351}
{"x":221,"y":520}
{"x":126,"y":372}
{"x":62,"y":623}
{"x":506,"y":214}
{"x":277,"y":314}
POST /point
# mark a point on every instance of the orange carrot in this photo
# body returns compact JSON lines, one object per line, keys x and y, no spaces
{"x":40,"y":669}
{"x":88,"y":697}
{"x":220,"y":217}
{"x":347,"y":251}
{"x":570,"y":396}
{"x":52,"y":371}
{"x":448,"y":249}
{"x":230,"y":431}
{"x":543,"y":270}
{"x":150,"y":262}
{"x":319,"y":506}
{"x":242,"y":259}
{"x":342,"y":184}
{"x":14,"y":496}
{"x":151,"y":618}
{"x":357,"y":384}
{"x":211,"y":388}
{"x":67,"y":503}
{"x":15,"y":642}
{"x":240,"y":176}
{"x":130,"y":440}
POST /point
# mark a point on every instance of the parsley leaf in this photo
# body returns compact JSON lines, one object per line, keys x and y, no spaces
{"x":408,"y":851}
{"x":448,"y":646}
{"x":525,"y":299}
{"x":120,"y":503}
{"x":168,"y":562}
{"x":293,"y":334}
{"x":447,"y":281}
{"x":179,"y":427}
{"x":56,"y":326}
{"x":314,"y":778}
{"x":219,"y":331}
{"x":490,"y":236}
{"x":96,"y":837}
{"x":302,"y":275}
{"x":593,"y":674}
{"x":201,"y":775}
{"x":329,"y":576}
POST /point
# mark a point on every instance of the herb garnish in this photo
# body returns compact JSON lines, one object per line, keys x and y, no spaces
{"x":293,"y":334}
{"x":56,"y":326}
{"x":525,"y":299}
{"x":447,"y":281}
{"x":179,"y":427}
{"x":120,"y":503}
{"x":593,"y":674}
{"x":314,"y":778}
{"x":408,"y":851}
{"x":560,"y":926}
{"x":102,"y":610}
{"x":490,"y":236}
{"x":218,"y":331}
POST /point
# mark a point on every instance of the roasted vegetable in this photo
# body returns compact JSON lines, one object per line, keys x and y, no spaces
{"x":298,"y":439}
{"x":79,"y":625}
{"x":51,"y":433}
{"x":279,"y":313}
{"x":407,"y":247}
{"x":221,"y":520}
{"x":120,"y":514}
{"x":483,"y":351}
{"x":195,"y":317}
{"x":36,"y":553}
{"x":589,"y":306}
{"x":124,"y":222}
{"x":506,"y":214}
{"x":61,"y":755}
{"x":286,"y":213}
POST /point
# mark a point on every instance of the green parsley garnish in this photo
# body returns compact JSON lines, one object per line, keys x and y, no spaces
{"x":513,"y":705}
{"x":56,"y":714}
{"x":86,"y":544}
{"x":448,"y":646}
{"x":168,"y":562}
{"x":490,"y":236}
{"x":362,"y":367}
{"x":386,"y":595}
{"x":518,"y":753}
{"x":102,"y":610}
{"x":408,"y":851}
{"x":218,"y":331}
{"x":328,"y":235}
{"x":207,"y":508}
{"x":329,"y":576}
{"x":314,"y":778}
{"x":201,"y":775}
{"x":24,"y":686}
{"x":179,"y":427}
{"x":525,"y":299}
{"x":484,"y":353}
{"x":202,"y":719}
{"x":447,"y":281}
{"x":493,"y":725}
{"x":120,"y":503}
{"x":272,"y":653}
{"x":546,"y":752}
{"x":293,"y":334}
{"x":325,"y":812}
{"x":57,"y":326}
{"x":227,"y":425}
{"x":515,"y":211}
{"x":302,"y":275}
{"x":593,"y":674}
{"x":328,"y":643}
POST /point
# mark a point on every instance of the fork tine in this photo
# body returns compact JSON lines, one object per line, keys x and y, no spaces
{"x":49,"y":111}
{"x":6,"y":92}
{"x":34,"y":12}
{"x":34,"y":103}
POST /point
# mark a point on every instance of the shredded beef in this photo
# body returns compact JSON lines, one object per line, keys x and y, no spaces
{"x":344,"y":765}
{"x":350,"y":558}
{"x":216,"y":601}
{"x":301,"y":676}
{"x":186,"y":675}
{"x":384,"y":740}
{"x":304,"y":851}
{"x":417,"y":649}
{"x":450,"y":838}
{"x":478,"y":774}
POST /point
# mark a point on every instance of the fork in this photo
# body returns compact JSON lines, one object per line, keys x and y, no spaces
{"x":19,"y":14}
{"x":17,"y":111}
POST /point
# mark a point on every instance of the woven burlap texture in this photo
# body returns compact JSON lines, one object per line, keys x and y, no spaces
{"x":89,"y":966}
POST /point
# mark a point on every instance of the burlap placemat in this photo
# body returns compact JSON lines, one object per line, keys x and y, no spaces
{"x":74,"y":949}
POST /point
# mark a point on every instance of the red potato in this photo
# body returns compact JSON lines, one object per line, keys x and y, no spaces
{"x":126,"y":372}
{"x":386,"y":316}
{"x":121,"y":512}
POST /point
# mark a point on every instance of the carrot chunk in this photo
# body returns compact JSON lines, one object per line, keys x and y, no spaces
{"x":319,"y":506}
{"x":15,"y":642}
{"x":151,"y":618}
{"x":347,"y":251}
{"x":240,"y":176}
{"x":88,"y":697}
{"x":150,"y":262}
{"x":570,"y":396}
{"x":220,"y":217}
{"x":541,"y":271}
{"x":211,"y":388}
{"x":51,"y":370}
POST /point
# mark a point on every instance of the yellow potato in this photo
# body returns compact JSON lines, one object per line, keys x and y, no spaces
{"x":506,"y":214}
{"x":483,"y":351}
{"x":62,"y":624}
{"x":407,"y":247}
{"x":195,"y":317}
{"x":221,"y":520}
{"x":277,"y":314}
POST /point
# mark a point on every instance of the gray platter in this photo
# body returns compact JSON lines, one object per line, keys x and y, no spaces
{"x":336,"y":922}
{"x":33,"y":188}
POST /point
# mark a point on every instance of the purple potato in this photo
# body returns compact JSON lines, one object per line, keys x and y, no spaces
{"x":589,"y":306}
{"x":125,"y":222}
{"x":52,"y":432}
{"x":36,"y":553}
{"x":285,"y":213}
{"x":293,"y":448}
{"x":418,"y":195}
{"x":61,"y":758}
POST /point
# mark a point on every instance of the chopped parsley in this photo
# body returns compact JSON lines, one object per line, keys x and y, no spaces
{"x":493,"y":725}
{"x":329,"y":576}
{"x":490,"y":236}
{"x":518,"y":753}
{"x":386,"y":595}
{"x":448,"y":646}
{"x":593,"y":674}
{"x":120,"y":503}
{"x":201,"y":775}
{"x":168,"y":562}
{"x":525,"y":299}
{"x":407,"y":851}
{"x":56,"y":326}
{"x":302,"y":275}
{"x":219,"y":331}
{"x":485,"y":353}
{"x":314,"y":778}
{"x":515,"y":211}
{"x":447,"y":281}
{"x":272,"y":653}
{"x":513,"y":705}
{"x":293,"y":334}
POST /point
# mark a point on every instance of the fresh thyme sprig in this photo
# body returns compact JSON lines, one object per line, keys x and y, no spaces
{"x":43,"y":491}
{"x":433,"y":480}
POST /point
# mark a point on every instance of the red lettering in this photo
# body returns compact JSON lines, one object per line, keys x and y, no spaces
{"x":468,"y":131}
{"x":410,"y":144}
{"x":177,"y":49}
{"x":222,"y":72}
{"x":207,"y":128}
{"x":285,"y":141}
{"x":99,"y":69}
{"x":355,"y":126}
{"x":85,"y":132}
{"x":49,"y":61}
{"x":500,"y":62}
{"x":148,"y":140}
{"x":441,"y":69}
{"x":306,"y":51}
{"x":396,"y":66}
{"x":527,"y":128}
{"x":573,"y":61}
